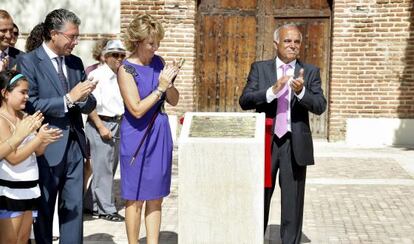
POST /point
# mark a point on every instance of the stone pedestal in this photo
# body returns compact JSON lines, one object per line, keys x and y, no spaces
{"x":221,"y":178}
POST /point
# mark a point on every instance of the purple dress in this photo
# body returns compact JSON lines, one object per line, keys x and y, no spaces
{"x":149,"y":177}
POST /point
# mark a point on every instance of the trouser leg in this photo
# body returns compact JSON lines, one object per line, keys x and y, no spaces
{"x":292,"y":182}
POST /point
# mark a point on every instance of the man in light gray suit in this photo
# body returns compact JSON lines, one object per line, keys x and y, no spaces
{"x":59,"y":90}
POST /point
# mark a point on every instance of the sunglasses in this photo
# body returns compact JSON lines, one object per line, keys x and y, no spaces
{"x":117,"y":55}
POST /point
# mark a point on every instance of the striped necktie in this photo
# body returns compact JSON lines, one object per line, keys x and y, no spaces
{"x":282,"y":107}
{"x":61,"y":75}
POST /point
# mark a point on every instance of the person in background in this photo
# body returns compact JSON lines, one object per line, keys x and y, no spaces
{"x":15,"y":35}
{"x":87,"y":171}
{"x":9,"y":55}
{"x":35,"y":38}
{"x":19,"y":173}
{"x":145,"y":83}
{"x":287,"y":90}
{"x":60,"y":90}
{"x":102,"y":131}
{"x":97,"y":55}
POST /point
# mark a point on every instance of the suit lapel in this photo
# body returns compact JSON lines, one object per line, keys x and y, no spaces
{"x":271,"y":72}
{"x":12,"y":58}
{"x":293,"y":98}
{"x":47,"y":68}
{"x":71,"y":72}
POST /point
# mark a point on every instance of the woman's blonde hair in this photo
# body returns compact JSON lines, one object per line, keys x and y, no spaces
{"x":140,"y":28}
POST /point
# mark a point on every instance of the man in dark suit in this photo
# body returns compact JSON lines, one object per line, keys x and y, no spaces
{"x":8,"y":54}
{"x":59,"y":90}
{"x":286,"y":89}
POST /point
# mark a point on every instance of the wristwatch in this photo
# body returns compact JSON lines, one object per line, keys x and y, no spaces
{"x":69,"y":102}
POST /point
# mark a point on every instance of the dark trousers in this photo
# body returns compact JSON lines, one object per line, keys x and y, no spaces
{"x":65,"y":179}
{"x":292,"y":184}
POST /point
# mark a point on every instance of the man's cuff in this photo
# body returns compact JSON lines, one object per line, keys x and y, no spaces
{"x":65,"y":105}
{"x":270,"y":96}
{"x":301,"y":94}
{"x":82,"y":102}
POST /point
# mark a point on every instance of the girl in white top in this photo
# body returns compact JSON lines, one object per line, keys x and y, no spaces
{"x":28,"y":125}
{"x":19,"y":174}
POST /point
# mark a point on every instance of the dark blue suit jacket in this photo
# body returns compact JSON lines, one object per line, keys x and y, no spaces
{"x":46,"y":94}
{"x":14,"y":56}
{"x":262,"y":76}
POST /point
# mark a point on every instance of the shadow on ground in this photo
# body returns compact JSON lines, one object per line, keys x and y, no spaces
{"x":101,"y":237}
{"x":166,"y":237}
{"x":272,"y":235}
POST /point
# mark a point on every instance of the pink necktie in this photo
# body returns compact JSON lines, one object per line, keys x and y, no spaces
{"x":282,"y":107}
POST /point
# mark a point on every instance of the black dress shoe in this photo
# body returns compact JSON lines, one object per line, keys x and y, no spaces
{"x":94,"y":214}
{"x":115,"y":217}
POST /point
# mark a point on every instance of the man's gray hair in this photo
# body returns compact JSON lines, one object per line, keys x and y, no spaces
{"x":57,"y":19}
{"x":276,"y":34}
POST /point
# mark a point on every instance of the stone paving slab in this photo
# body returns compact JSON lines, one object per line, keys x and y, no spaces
{"x":354,"y":214}
{"x":106,"y":232}
{"x":353,"y":196}
{"x":357,"y":168}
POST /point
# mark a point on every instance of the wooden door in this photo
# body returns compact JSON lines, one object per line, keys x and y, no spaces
{"x":313,"y":19}
{"x":314,"y":50}
{"x":226,"y":46}
{"x":233,"y":34}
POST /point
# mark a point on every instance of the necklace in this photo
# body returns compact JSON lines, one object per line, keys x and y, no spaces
{"x":9,"y":117}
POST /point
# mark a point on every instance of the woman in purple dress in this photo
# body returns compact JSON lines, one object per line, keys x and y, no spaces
{"x":145,"y":83}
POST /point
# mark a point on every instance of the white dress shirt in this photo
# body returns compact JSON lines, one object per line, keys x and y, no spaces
{"x":270,"y":96}
{"x":108,"y":97}
{"x":52,"y":56}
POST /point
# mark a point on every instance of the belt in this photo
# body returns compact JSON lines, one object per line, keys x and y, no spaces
{"x":116,"y":118}
{"x":281,"y":141}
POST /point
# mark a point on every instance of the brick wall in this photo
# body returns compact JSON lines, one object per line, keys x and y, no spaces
{"x":178,"y":18}
{"x":372,"y":72}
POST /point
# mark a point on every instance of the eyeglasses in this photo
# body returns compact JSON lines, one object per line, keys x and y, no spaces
{"x":117,"y":55}
{"x":71,"y":38}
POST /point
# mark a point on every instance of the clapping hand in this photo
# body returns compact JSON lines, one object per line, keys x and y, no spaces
{"x":167,"y":75}
{"x":29,"y":124}
{"x":297,"y":83}
{"x":82,"y":90}
{"x":4,"y":63}
{"x":48,"y":135}
{"x":280,"y":84}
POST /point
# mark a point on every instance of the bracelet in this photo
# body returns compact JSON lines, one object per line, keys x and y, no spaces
{"x":157,"y":93}
{"x":10,"y":145}
{"x":158,"y":89}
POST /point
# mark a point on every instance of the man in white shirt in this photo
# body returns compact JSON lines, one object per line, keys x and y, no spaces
{"x":102,"y":130}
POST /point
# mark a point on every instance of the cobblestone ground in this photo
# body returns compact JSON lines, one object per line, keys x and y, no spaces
{"x":356,"y":196}
{"x":353,"y":195}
